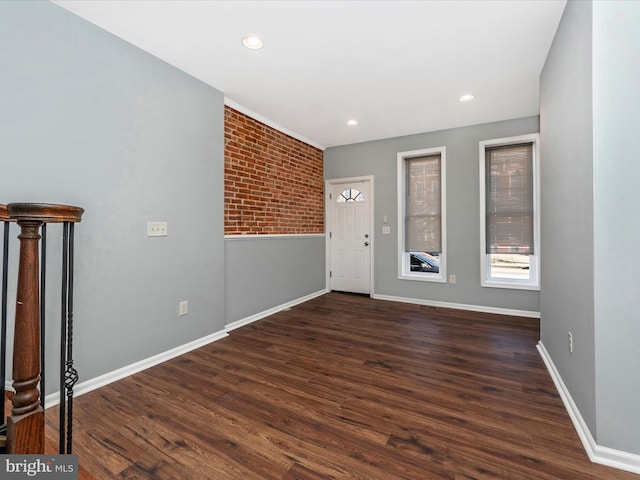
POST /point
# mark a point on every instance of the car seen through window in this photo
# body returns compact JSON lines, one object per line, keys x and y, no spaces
{"x":424,"y":262}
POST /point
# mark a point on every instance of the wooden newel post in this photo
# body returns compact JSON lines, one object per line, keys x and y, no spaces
{"x":25,"y":425}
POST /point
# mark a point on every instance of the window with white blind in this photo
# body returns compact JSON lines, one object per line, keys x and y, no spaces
{"x":421,"y":213}
{"x":509,"y":213}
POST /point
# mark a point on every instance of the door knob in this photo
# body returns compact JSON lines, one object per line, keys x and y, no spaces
{"x":366,"y":244}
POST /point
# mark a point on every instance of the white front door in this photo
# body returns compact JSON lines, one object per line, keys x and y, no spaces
{"x":350,"y":237}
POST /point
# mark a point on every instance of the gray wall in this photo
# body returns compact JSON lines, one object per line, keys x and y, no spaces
{"x":567,"y":264}
{"x":589,"y":130}
{"x":616,"y":143}
{"x":265,"y":272}
{"x":379,"y":158}
{"x":89,"y":120}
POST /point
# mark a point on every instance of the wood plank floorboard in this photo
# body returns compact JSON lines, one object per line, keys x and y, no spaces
{"x":341,"y":387}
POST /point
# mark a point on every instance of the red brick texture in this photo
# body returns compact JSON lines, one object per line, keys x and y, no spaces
{"x":273,"y":183}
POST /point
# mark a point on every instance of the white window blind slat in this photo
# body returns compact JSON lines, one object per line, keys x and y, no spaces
{"x":509,"y":199}
{"x":423,"y":220}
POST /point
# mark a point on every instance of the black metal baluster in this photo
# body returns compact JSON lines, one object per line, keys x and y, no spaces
{"x":63,"y":337}
{"x":3,"y":339}
{"x":71,"y":374}
{"x":43,"y":278}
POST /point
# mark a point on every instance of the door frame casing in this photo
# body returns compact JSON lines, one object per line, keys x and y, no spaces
{"x":328,"y":215}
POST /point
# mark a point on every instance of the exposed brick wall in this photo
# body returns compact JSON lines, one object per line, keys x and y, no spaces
{"x":273,"y":183}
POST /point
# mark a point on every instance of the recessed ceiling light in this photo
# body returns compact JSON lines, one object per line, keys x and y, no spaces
{"x":466,"y":98}
{"x":352,"y":123}
{"x":253,"y":42}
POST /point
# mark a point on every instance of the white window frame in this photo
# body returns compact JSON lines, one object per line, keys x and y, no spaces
{"x":404,"y":268}
{"x":533,"y":283}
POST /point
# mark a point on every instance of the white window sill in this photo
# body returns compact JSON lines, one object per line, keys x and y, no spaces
{"x":511,"y":284}
{"x":424,"y":277}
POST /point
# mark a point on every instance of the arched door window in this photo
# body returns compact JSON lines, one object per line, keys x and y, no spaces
{"x":351,"y":195}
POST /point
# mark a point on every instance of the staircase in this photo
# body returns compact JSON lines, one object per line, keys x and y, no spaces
{"x":24,"y":428}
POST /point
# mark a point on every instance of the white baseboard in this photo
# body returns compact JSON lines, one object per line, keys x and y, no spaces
{"x":597,"y":454}
{"x":53,"y":399}
{"x":258,"y":316}
{"x":461,"y":306}
{"x":87,"y":386}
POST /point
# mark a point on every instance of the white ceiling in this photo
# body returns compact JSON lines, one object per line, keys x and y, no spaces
{"x":398,"y":67}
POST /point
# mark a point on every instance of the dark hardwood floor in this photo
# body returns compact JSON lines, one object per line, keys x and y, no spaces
{"x":342,"y":387}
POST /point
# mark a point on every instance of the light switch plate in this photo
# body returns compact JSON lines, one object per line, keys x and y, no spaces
{"x":386,"y":229}
{"x":157,"y":229}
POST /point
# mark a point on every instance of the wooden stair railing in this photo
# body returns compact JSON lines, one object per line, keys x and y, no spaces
{"x":25,"y":425}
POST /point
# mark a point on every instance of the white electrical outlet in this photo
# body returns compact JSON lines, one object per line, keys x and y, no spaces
{"x":183,"y":308}
{"x":570,"y":343}
{"x":386,"y":229}
{"x":157,"y":229}
{"x":452,"y":279}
